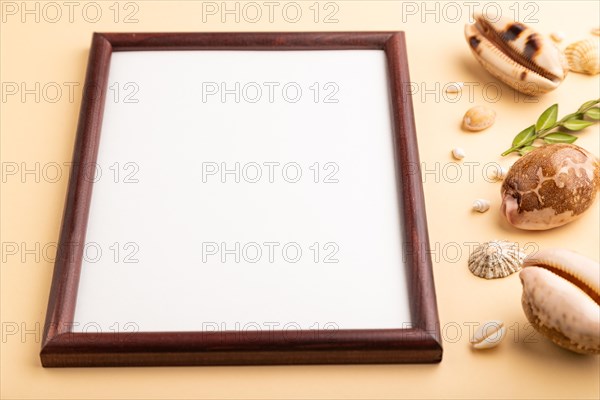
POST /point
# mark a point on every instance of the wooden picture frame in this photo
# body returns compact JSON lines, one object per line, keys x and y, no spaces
{"x":420,"y":342}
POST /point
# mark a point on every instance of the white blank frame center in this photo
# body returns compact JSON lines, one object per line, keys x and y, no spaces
{"x":245,"y":190}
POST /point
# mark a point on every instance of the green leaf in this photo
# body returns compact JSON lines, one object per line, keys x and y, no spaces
{"x":587,"y":115}
{"x":577,"y":124}
{"x":559,"y":137}
{"x":527,"y":149}
{"x":525,"y":137}
{"x":593,"y":113}
{"x":587,"y":104}
{"x":547,"y":119}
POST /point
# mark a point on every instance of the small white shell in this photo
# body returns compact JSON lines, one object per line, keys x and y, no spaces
{"x":454,"y":87}
{"x":488,"y":335}
{"x":583,"y":57}
{"x":481,"y":205}
{"x":500,"y":173}
{"x":496,"y":259}
{"x":458,"y":153}
{"x":557,"y":36}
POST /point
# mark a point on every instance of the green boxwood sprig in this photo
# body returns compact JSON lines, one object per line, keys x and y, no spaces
{"x":548,"y":129}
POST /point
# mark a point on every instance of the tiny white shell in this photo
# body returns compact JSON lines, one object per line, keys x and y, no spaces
{"x":496,"y":259}
{"x":458,"y":153}
{"x":481,"y":205}
{"x":557,"y":36}
{"x":454,"y":87}
{"x":500,"y":173}
{"x":488,"y":335}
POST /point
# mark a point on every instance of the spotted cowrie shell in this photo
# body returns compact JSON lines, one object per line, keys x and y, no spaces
{"x":550,"y":186}
{"x":516,"y":54}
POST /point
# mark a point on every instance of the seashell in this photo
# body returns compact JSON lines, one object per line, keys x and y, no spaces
{"x":454,"y":87}
{"x":500,"y":173}
{"x":583,"y":57}
{"x":595,"y":31}
{"x":481,"y":205}
{"x":550,"y":186}
{"x":561,"y":298}
{"x":496,"y":259}
{"x":516,"y":54}
{"x":488,"y":335}
{"x":458,"y":153}
{"x":557,"y":36}
{"x":479,"y":118}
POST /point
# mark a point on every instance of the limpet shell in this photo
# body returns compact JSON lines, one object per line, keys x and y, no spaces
{"x":516,"y":54}
{"x":479,"y":118}
{"x":583,"y":57}
{"x":496,"y":259}
{"x":550,"y":186}
{"x":488,"y":335}
{"x":561,"y":298}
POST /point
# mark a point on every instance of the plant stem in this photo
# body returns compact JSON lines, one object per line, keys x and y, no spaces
{"x":544,"y":132}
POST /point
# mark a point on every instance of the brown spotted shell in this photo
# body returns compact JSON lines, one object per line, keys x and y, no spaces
{"x":550,"y":186}
{"x":516,"y":54}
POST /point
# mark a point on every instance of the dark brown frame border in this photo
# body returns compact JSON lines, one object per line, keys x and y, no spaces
{"x":419,"y":343}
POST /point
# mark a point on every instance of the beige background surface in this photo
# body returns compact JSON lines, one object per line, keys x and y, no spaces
{"x":524,"y":366}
